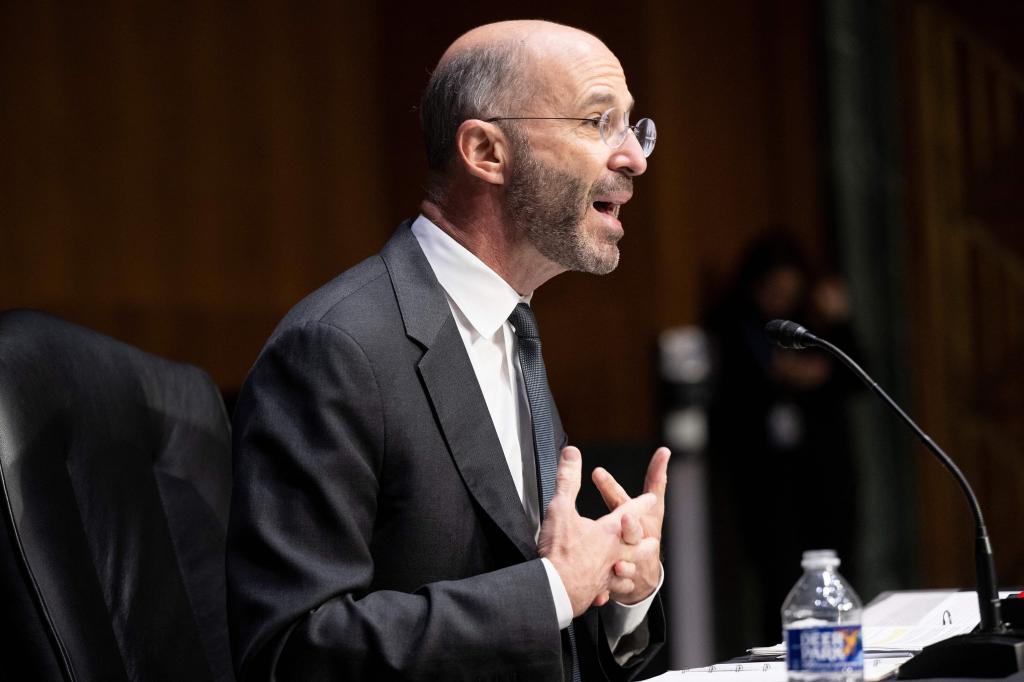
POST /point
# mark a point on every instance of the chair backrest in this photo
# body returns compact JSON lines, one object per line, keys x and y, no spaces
{"x":115,"y":478}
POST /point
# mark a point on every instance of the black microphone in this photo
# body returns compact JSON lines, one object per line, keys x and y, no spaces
{"x":992,"y":651}
{"x":789,"y":335}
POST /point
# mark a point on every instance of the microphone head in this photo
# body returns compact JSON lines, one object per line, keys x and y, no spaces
{"x":789,"y":334}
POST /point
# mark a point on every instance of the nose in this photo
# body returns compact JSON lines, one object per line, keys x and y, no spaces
{"x":629,"y":157}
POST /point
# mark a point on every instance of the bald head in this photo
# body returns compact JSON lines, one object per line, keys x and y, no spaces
{"x":489,"y":71}
{"x":537,"y":36}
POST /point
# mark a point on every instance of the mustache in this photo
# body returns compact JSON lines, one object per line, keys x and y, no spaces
{"x":616,"y":183}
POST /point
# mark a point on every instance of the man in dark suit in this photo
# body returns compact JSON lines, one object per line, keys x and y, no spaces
{"x":392,"y":465}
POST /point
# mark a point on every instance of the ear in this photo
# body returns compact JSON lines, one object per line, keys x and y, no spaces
{"x":483,"y":150}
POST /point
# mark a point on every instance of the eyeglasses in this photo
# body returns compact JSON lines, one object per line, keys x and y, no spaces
{"x":613,"y":126}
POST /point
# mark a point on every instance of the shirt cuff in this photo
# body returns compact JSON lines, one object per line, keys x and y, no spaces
{"x":622,"y":619}
{"x":563,"y":607}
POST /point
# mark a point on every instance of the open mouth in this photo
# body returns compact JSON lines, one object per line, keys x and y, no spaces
{"x":608,"y":207}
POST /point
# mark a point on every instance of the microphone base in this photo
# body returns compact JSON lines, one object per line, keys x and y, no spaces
{"x":978,"y":654}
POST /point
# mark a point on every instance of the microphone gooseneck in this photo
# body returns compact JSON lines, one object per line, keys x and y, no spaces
{"x":791,"y":335}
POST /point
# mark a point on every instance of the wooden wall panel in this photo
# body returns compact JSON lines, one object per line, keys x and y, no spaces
{"x":179,"y":175}
{"x":968,"y":274}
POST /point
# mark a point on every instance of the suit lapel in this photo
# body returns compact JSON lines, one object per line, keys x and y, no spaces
{"x":453,"y":390}
{"x":469,"y":432}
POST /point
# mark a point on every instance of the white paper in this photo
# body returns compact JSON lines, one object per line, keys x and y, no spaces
{"x":771,"y":671}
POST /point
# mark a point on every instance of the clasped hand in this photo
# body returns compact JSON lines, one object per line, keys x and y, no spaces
{"x":617,"y":556}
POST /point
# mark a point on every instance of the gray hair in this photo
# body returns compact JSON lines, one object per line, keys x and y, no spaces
{"x":476,"y":83}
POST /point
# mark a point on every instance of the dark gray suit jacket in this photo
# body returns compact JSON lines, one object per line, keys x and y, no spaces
{"x":375,"y":530}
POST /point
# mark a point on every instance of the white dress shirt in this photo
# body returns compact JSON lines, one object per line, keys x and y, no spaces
{"x":481,"y":302}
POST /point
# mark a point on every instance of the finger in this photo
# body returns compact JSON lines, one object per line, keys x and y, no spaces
{"x":646,"y":553}
{"x":624,"y":569}
{"x":621,"y":586}
{"x":632,"y":532}
{"x":567,"y":478}
{"x":637,"y":507}
{"x":602,"y":599}
{"x":611,"y":492}
{"x":657,"y":474}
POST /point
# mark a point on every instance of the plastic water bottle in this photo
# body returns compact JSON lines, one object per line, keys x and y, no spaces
{"x":821,"y":624}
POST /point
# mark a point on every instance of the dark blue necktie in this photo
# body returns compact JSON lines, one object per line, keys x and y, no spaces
{"x":535,"y":378}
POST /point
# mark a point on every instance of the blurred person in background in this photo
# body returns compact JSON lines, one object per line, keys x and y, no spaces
{"x":783,"y":473}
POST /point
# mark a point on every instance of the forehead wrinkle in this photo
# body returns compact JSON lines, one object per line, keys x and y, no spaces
{"x":605,"y":84}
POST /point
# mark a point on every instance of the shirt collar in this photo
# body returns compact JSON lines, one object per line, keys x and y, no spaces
{"x":481,"y":294}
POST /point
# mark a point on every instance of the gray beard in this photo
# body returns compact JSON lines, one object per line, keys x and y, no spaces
{"x":550,"y":206}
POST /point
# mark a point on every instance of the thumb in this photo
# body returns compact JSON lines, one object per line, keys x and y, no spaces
{"x":567,"y":478}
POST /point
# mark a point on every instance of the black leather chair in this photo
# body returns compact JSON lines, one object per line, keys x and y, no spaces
{"x":115,"y":479}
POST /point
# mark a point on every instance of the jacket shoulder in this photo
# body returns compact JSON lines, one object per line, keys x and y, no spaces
{"x":362,"y":292}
